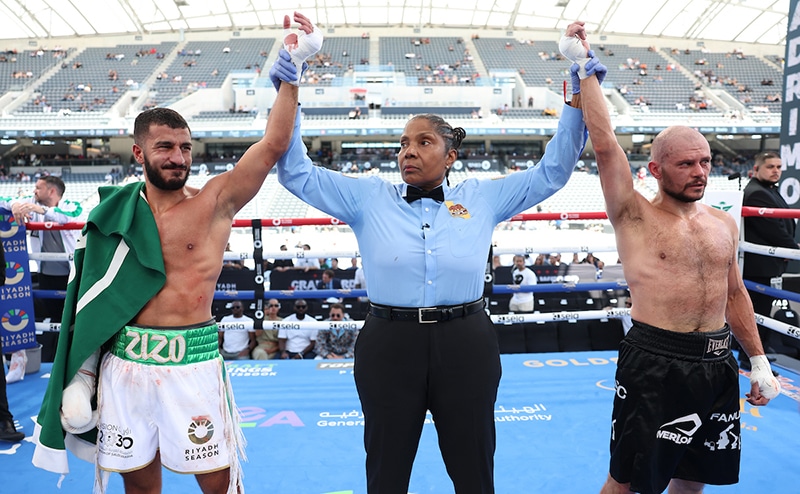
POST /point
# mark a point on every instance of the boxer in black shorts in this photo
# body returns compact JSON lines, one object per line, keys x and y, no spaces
{"x":683,"y":390}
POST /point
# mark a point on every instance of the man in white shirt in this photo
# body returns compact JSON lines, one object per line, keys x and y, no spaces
{"x":47,"y":205}
{"x":522,"y":276}
{"x":297,"y":343}
{"x":237,"y":343}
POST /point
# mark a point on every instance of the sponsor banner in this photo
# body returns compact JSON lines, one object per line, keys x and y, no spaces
{"x":296,"y":279}
{"x":790,"y":140}
{"x":17,"y":321}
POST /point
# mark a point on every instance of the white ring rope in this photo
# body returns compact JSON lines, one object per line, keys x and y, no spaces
{"x":766,"y":250}
{"x":505,"y":319}
{"x":534,"y":248}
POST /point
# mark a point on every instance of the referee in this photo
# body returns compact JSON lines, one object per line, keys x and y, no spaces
{"x":427,"y":342}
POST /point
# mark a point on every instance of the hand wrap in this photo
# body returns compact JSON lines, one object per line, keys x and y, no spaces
{"x":77,"y":415}
{"x":592,"y":67}
{"x":761,"y":375}
{"x":307,"y":45}
{"x":573,"y":50}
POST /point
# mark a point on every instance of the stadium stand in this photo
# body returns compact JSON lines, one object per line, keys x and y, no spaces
{"x":751,"y":80}
{"x":206,"y":64}
{"x":538,"y":62}
{"x":649,"y":82}
{"x":429,"y":61}
{"x":340,"y":56}
{"x":19,"y":70}
{"x":94,"y":79}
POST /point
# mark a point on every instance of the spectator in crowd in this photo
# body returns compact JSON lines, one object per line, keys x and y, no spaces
{"x":237,"y":343}
{"x":329,"y":281}
{"x":282,"y":264}
{"x":298,"y":343}
{"x":336,"y":342}
{"x":360,"y":282}
{"x":353,"y":263}
{"x":676,"y":372}
{"x":232,"y":264}
{"x":48,"y":204}
{"x":627,"y":323}
{"x":440,"y":236}
{"x":307,"y":263}
{"x":267,"y":338}
{"x":521,"y":275}
{"x":763,"y":192}
{"x":591,"y":259}
{"x":8,"y":431}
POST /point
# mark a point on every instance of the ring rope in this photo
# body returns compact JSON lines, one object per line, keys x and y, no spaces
{"x":504,"y":319}
{"x":567,"y":215}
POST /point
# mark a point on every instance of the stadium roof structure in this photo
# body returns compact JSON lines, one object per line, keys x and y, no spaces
{"x":744,"y":21}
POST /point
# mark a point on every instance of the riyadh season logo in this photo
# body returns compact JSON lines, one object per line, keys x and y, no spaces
{"x":14,"y":273}
{"x":14,"y":320}
{"x":8,"y":226}
{"x":201,"y":430}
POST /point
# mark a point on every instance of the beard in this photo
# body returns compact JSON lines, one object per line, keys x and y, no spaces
{"x":682,"y":196}
{"x":158,"y":181}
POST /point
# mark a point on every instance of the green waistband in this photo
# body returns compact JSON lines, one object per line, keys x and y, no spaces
{"x":175,"y":346}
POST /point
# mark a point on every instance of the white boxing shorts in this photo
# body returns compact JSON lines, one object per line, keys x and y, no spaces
{"x":165,"y":389}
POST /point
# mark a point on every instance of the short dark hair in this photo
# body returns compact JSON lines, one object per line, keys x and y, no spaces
{"x":766,"y":155}
{"x":330,"y":273}
{"x":53,"y":181}
{"x":156,"y":116}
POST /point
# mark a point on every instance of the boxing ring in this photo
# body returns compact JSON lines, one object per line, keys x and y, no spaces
{"x":303,"y":423}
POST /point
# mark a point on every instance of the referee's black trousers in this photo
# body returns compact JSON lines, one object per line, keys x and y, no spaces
{"x":452,"y":368}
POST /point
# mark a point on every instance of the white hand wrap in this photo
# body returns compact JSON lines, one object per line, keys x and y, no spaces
{"x":307,"y":46}
{"x":761,"y":374}
{"x":573,"y":50}
{"x":77,"y":415}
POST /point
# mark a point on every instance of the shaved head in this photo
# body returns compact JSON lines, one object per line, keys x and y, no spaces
{"x":674,"y":139}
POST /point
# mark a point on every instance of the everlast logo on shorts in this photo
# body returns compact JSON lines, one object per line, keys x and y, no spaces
{"x":718,"y":346}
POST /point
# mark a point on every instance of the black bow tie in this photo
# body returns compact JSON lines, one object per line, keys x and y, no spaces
{"x":414,"y":193}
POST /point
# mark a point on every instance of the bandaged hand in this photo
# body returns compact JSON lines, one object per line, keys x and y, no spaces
{"x":592,"y":67}
{"x":301,"y":46}
{"x":576,"y":51}
{"x":761,"y":375}
{"x":283,"y":70}
{"x":77,"y":415}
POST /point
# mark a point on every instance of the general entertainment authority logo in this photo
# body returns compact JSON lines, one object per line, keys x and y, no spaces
{"x":14,"y":320}
{"x":8,"y":226}
{"x":201,"y":430}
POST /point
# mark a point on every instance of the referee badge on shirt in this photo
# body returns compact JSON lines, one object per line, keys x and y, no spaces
{"x":457,"y":210}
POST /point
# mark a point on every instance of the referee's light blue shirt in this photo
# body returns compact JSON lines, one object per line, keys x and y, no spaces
{"x":426,"y":253}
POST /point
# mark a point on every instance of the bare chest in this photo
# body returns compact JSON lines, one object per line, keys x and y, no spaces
{"x":700,"y":246}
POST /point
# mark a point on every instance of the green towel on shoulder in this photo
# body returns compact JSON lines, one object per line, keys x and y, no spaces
{"x":118,"y":268}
